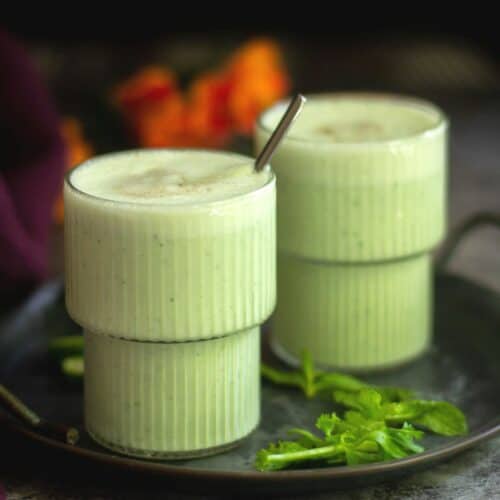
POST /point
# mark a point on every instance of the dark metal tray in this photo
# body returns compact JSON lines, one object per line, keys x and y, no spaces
{"x":462,"y":367}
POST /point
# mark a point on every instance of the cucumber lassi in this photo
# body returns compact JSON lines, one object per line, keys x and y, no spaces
{"x":170,"y":269}
{"x":178,"y":399}
{"x":361,"y":183}
{"x":169,"y":245}
{"x":385,"y":309}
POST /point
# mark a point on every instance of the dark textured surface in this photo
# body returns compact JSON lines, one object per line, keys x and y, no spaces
{"x":461,"y":368}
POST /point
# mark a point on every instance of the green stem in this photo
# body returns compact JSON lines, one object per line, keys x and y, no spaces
{"x":300,"y":456}
{"x":281,"y":377}
{"x":338,"y":381}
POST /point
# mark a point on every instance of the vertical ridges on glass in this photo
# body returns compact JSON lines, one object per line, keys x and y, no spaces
{"x":167,"y":398}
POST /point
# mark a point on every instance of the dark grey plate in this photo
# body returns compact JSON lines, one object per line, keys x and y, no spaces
{"x":462,"y":367}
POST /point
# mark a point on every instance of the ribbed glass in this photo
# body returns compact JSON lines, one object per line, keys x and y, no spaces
{"x":154,"y":272}
{"x":356,"y":224}
{"x":360,"y":202}
{"x":355,"y":317}
{"x":178,"y":400}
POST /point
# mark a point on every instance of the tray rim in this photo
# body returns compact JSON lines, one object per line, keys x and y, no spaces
{"x":455,"y":446}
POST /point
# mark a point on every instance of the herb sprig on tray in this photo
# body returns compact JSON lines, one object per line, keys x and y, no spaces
{"x":380,"y":423}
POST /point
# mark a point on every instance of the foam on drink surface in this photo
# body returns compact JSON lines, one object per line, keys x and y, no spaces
{"x":176,"y":177}
{"x":356,"y":120}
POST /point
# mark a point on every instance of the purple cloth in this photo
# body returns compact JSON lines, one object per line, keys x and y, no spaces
{"x":31,"y":170}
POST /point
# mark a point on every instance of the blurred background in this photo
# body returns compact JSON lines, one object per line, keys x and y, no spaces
{"x":176,"y":81}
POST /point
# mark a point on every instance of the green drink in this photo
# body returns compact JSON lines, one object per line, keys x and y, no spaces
{"x":169,"y":245}
{"x":170,"y":270}
{"x":172,"y":399}
{"x":361,"y":203}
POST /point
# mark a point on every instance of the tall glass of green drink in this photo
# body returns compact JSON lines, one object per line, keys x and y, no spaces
{"x":361,"y":204}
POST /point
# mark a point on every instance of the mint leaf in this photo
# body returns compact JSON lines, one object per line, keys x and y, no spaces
{"x":327,"y":423}
{"x":394,"y":394}
{"x":355,"y":420}
{"x":398,"y":443}
{"x":439,"y":417}
{"x":367,"y":401}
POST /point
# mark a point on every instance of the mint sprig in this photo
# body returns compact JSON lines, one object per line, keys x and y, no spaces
{"x":379,"y":422}
{"x":343,"y":442}
{"x":439,"y":417}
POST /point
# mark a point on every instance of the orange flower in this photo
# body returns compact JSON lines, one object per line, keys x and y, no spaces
{"x":218,"y":104}
{"x":77,"y":151}
{"x":152,"y":106}
{"x":208,"y":119}
{"x":162,"y":124}
{"x":147,"y":87}
{"x":256,"y":55}
{"x":252,"y":95}
{"x":259,"y":79}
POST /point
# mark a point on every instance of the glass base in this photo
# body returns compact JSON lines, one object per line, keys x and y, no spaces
{"x":166,"y":455}
{"x":355,"y":317}
{"x":178,"y":400}
{"x":295,"y":362}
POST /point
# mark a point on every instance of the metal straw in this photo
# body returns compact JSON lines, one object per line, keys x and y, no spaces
{"x":288,"y":118}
